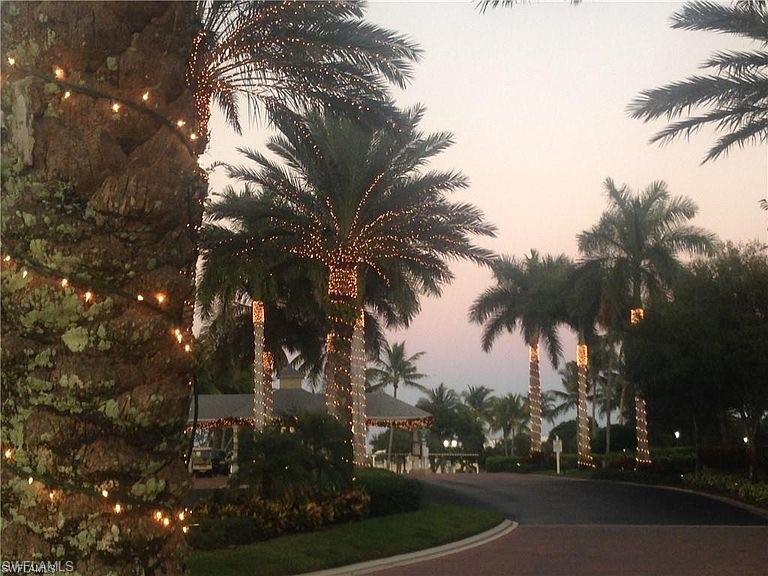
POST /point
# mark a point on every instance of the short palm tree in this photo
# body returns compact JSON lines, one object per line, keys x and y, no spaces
{"x":510,"y":415}
{"x":439,"y":400}
{"x":353,"y":201}
{"x":637,"y":244}
{"x":528,"y":296}
{"x":396,"y":369}
{"x":732,"y":96}
{"x":480,"y":400}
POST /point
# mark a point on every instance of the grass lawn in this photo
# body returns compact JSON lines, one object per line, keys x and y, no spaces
{"x":374,"y":538}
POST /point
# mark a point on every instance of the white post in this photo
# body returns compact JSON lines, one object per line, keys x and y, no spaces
{"x":557,"y":446}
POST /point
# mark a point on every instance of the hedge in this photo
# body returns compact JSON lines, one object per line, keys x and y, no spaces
{"x":389,"y":493}
{"x":730,"y":485}
{"x":232,"y":517}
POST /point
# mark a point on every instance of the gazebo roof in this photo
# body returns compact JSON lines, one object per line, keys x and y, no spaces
{"x":222,"y":410}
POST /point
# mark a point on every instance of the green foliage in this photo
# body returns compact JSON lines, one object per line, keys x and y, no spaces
{"x":730,"y":485}
{"x":390,"y":493}
{"x":729,"y":96}
{"x":232,"y":517}
{"x":323,"y":54}
{"x":396,"y":369}
{"x":506,"y":464}
{"x":314,"y":457}
{"x":566,"y":431}
{"x":529,"y":296}
{"x":622,"y":438}
{"x":704,"y":355}
{"x":401,"y":441}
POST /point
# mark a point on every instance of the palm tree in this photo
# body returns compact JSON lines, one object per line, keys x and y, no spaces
{"x":299,"y":53}
{"x":549,"y":406}
{"x":102,"y":191}
{"x":439,"y":400}
{"x":396,"y":369}
{"x":510,"y":415}
{"x":353,"y":201}
{"x":733,"y":92}
{"x":636,"y":244}
{"x":527,"y":296}
{"x":480,"y":400}
{"x":483,"y":5}
{"x":228,"y":276}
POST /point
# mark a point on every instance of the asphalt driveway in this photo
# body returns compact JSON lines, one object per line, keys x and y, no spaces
{"x":588,"y":528}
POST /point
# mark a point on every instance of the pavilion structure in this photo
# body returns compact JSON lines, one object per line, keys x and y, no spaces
{"x":233,"y":411}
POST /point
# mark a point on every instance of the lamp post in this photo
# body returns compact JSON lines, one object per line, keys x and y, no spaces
{"x":677,"y":437}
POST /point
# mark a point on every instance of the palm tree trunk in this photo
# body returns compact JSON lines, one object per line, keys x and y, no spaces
{"x":259,"y":374}
{"x":593,"y":429}
{"x":391,"y":431}
{"x":608,"y":407}
{"x":534,"y":398}
{"x":267,"y":374}
{"x":342,"y":292}
{"x":582,"y":430}
{"x":642,"y":454}
{"x":359,"y":401}
{"x":100,"y":212}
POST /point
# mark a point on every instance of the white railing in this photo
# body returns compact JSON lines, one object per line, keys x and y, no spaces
{"x":436,"y":462}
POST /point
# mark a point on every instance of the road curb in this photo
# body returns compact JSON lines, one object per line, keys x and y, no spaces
{"x":490,"y":535}
{"x":756,"y":510}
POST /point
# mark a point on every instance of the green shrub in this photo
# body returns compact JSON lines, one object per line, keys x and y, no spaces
{"x":232,"y":517}
{"x":730,"y":485}
{"x":519,"y":465}
{"x":312,"y":456}
{"x":389,"y":493}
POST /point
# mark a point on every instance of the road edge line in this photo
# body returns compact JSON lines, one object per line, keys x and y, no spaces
{"x":501,"y":529}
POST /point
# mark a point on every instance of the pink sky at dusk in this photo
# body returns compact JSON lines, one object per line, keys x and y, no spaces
{"x":536,"y":97}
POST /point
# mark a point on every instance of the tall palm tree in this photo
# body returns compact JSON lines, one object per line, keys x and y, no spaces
{"x":510,"y":415}
{"x":637,"y":243}
{"x":396,"y":369}
{"x":102,"y":191}
{"x":353,"y":201}
{"x":731,"y":96}
{"x":527,"y":296}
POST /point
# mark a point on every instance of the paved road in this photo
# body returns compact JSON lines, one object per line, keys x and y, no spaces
{"x":586,"y":528}
{"x":536,"y":500}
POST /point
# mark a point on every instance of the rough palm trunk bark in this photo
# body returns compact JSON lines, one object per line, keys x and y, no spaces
{"x":643,"y":454}
{"x":343,"y":312}
{"x":259,"y":401}
{"x":101,"y":199}
{"x":608,"y":407}
{"x":359,"y":401}
{"x":534,"y":398}
{"x":582,"y":430}
{"x":267,"y":373}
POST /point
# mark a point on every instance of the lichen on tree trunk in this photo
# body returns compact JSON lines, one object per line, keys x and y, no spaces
{"x":95,"y":383}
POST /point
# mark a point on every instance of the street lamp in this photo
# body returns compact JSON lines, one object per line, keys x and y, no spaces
{"x":446,"y":443}
{"x":454,"y":443}
{"x":677,"y":434}
{"x":746,"y":440}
